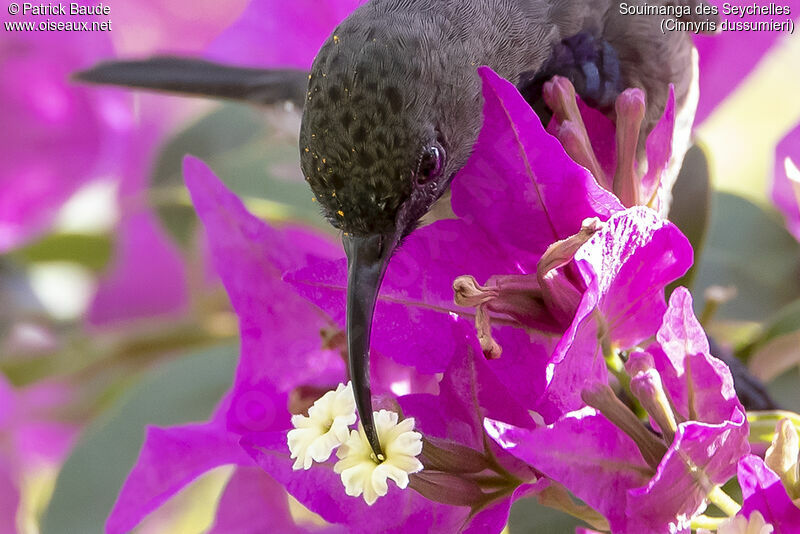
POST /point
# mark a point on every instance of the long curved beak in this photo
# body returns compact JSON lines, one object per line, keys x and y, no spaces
{"x":367,"y":259}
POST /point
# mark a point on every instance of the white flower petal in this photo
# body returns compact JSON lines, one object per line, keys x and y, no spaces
{"x":326,"y":427}
{"x":389,"y":470}
{"x":741,"y":525}
{"x":362,"y":474}
{"x":378,"y":480}
{"x":409,"y":464}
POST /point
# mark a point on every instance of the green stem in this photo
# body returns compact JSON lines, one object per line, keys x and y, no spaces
{"x":715,"y":296}
{"x":616,"y":367}
{"x":491,"y":481}
{"x":263,"y":208}
{"x":491,"y":459}
{"x":723,"y":501}
{"x":709,"y":311}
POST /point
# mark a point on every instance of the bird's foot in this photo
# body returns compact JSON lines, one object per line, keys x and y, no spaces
{"x":591,"y":65}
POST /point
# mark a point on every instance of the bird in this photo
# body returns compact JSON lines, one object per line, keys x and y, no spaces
{"x":392,"y":108}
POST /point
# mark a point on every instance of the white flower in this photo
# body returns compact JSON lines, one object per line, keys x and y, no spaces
{"x":326,"y":427}
{"x":363,"y":473}
{"x":741,"y":525}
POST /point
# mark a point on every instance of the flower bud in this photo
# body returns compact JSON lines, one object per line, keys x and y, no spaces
{"x":562,"y":252}
{"x":648,"y":388}
{"x":447,"y":488}
{"x":469,"y":293}
{"x":483,"y":324}
{"x":638,"y":362}
{"x":561,"y":295}
{"x":578,"y":146}
{"x":450,"y":457}
{"x":517,"y":296}
{"x":602,"y":398}
{"x":783,"y":457}
{"x":559,"y":95}
{"x":630,"y":107}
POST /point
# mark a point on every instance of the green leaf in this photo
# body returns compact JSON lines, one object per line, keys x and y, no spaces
{"x":691,"y":206}
{"x":181,"y":391}
{"x":89,"y":250}
{"x":528,"y":516}
{"x":247,"y":152}
{"x":785,"y":321}
{"x":749,"y":248}
{"x":785,"y":391}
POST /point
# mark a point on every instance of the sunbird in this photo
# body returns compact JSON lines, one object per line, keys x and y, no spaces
{"x":392,"y":107}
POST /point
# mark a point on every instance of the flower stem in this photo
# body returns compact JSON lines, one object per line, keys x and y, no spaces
{"x":714,"y":297}
{"x":495,"y":464}
{"x":616,"y":366}
{"x":723,"y":501}
{"x":613,"y":360}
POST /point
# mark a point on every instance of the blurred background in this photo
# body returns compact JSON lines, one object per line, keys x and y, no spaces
{"x":111,"y":317}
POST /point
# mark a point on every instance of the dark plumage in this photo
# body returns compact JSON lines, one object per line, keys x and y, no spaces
{"x":398,"y":75}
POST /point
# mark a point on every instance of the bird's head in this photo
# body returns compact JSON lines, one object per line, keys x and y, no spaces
{"x":372,"y":143}
{"x":378,"y":151}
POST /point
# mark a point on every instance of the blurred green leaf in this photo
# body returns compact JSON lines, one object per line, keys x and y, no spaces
{"x":248,"y":154}
{"x":748,"y":248}
{"x":785,"y":391}
{"x":89,"y":250}
{"x":528,"y":517}
{"x":786,"y":321}
{"x":691,"y":206}
{"x":181,"y":391}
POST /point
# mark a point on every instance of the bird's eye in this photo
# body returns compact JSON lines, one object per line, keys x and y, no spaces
{"x":432,"y":164}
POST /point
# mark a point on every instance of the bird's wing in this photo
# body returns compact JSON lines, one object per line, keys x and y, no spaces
{"x":203,"y":78}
